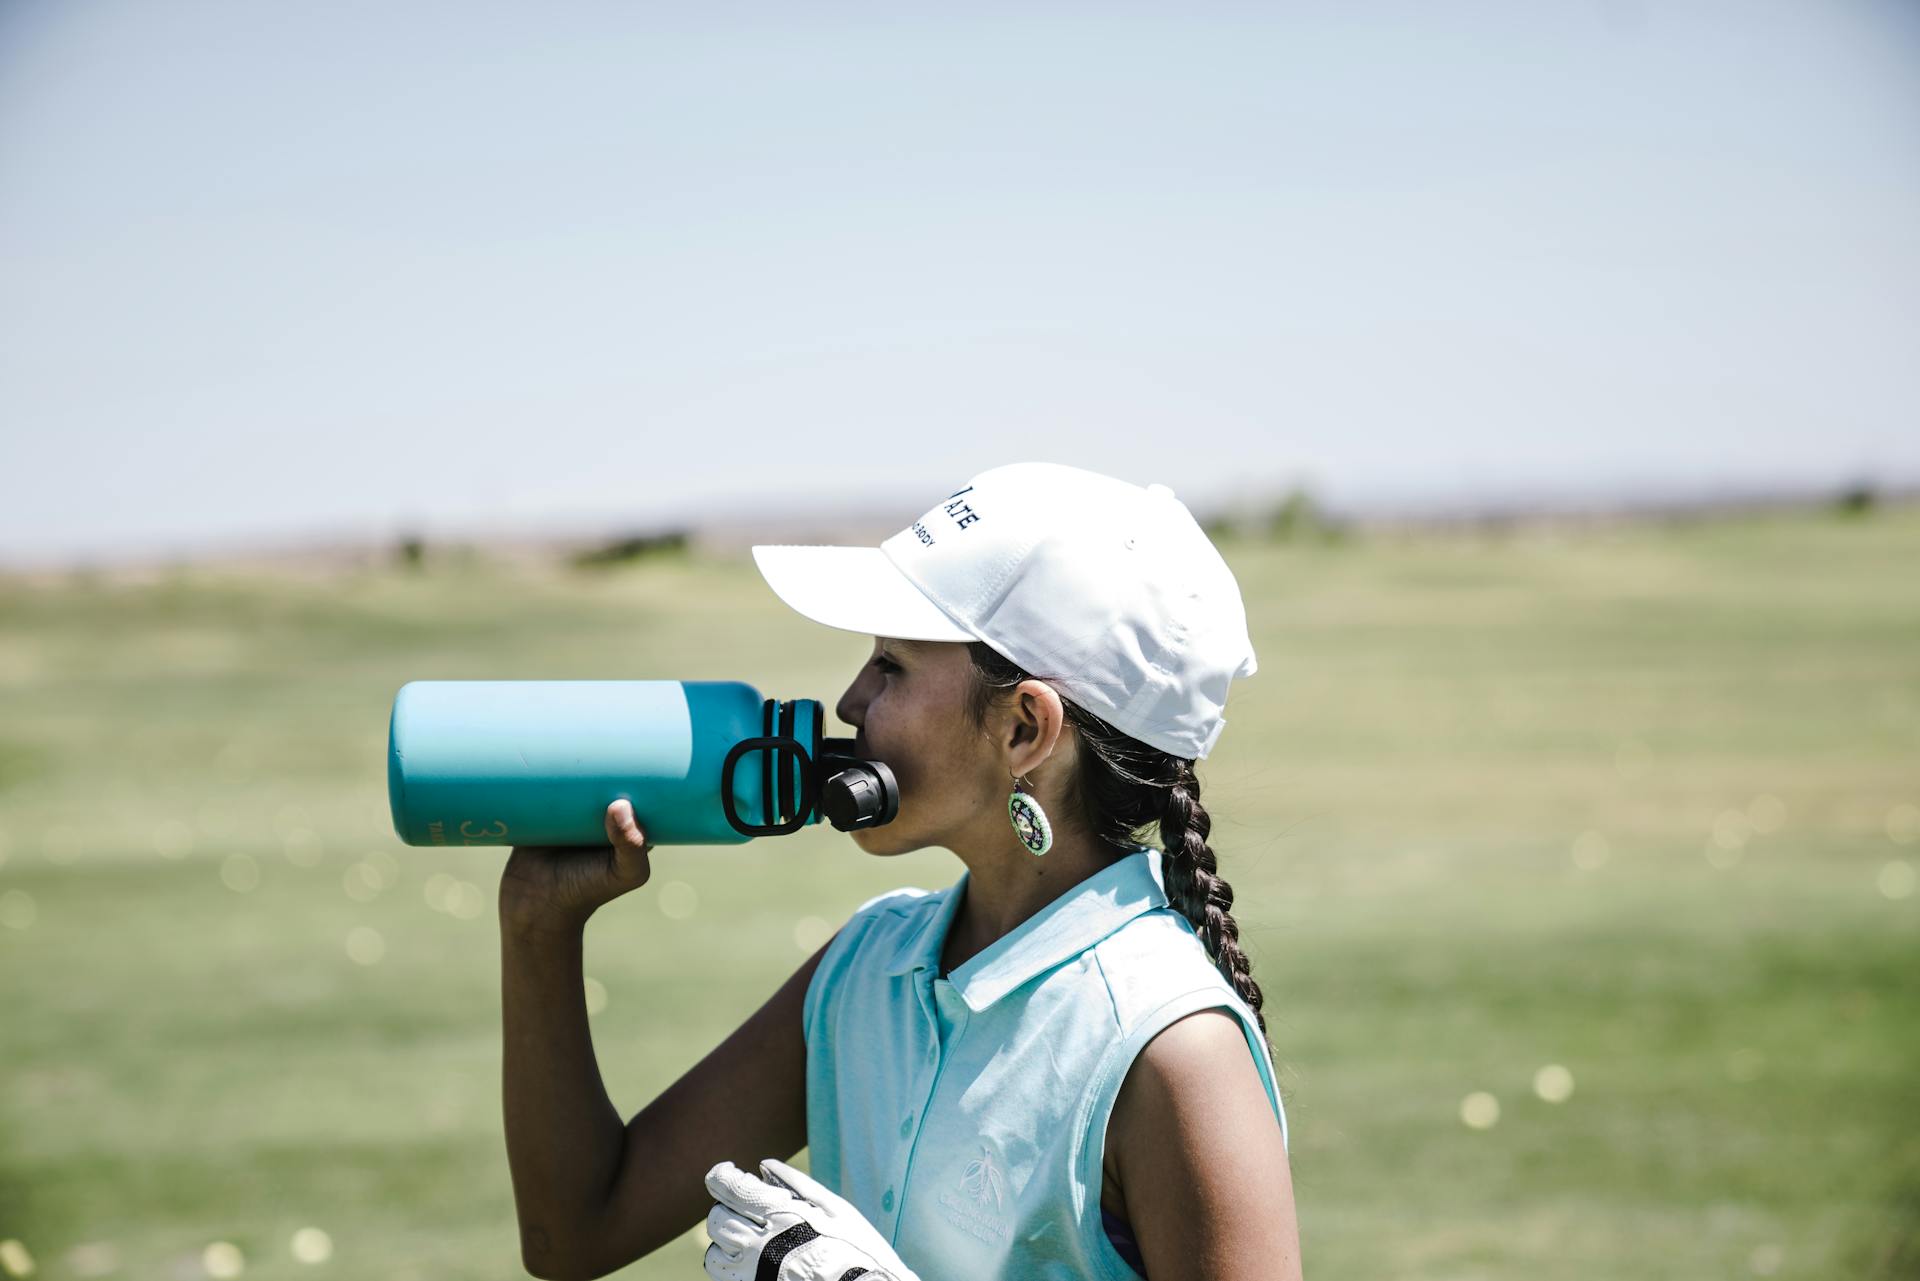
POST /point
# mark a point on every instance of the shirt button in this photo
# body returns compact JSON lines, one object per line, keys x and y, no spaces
{"x":886,"y":1202}
{"x":906,"y":1127}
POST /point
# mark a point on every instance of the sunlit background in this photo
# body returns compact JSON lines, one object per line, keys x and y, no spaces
{"x":1546,"y":373}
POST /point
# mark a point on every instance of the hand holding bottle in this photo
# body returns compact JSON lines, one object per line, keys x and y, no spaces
{"x":546,"y":888}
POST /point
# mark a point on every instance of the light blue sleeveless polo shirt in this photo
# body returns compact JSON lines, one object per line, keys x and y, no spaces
{"x":966,"y":1117}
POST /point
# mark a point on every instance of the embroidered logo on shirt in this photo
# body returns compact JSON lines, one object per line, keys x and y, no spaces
{"x":975,"y":1209}
{"x":982,"y":1180}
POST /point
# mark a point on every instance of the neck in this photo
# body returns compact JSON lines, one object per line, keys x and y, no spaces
{"x":1007,"y":884}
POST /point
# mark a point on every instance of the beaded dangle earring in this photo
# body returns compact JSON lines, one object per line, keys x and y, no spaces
{"x":1029,"y":820}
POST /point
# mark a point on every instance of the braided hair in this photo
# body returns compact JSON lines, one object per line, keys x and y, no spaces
{"x":1124,"y":787}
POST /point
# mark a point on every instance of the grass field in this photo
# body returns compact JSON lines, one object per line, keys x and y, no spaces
{"x":1643,"y":804}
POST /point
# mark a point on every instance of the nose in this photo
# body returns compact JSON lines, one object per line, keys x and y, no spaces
{"x":852,"y":707}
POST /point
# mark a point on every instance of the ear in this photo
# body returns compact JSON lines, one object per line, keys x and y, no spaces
{"x":1035,"y":719}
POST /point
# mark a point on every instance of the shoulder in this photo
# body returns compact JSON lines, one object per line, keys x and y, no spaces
{"x":1193,"y":1064}
{"x":892,"y":912}
{"x":882,"y":921}
{"x":877,"y":926}
{"x":888,"y":913}
{"x":1180,"y":1021}
{"x":1186,"y":1144}
{"x":905,"y":899}
{"x":1156,"y":957}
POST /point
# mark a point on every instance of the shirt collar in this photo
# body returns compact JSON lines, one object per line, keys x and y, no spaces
{"x":1058,"y":932}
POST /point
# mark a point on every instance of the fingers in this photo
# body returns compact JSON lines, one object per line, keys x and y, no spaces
{"x":746,"y":1193}
{"x":805,"y":1185}
{"x":722,"y":1266}
{"x":720,"y":1181}
{"x":731,"y":1230}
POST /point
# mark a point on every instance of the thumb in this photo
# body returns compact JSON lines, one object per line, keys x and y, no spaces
{"x":631,"y":866}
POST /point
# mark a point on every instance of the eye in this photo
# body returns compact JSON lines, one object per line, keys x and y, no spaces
{"x":885,"y":664}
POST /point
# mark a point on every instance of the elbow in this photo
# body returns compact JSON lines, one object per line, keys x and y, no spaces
{"x":548,"y":1268}
{"x":539,"y":1261}
{"x":546,"y":1271}
{"x":540,"y":1257}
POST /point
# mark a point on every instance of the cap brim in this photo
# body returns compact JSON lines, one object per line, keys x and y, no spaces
{"x":856,"y":589}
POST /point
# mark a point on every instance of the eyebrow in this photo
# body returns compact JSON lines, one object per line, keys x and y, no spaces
{"x":908,"y":646}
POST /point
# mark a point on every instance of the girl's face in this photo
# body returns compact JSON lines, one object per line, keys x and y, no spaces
{"x":908,"y":708}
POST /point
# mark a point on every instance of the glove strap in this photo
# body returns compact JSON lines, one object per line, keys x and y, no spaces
{"x":774,"y":1252}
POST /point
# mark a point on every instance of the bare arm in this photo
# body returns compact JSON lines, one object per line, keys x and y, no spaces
{"x":746,"y":1100}
{"x":591,"y":1194}
{"x":1196,"y":1150}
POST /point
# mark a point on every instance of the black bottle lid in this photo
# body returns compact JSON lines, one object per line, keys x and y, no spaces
{"x":858,"y":794}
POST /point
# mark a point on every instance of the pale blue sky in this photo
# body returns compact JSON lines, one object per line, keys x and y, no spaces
{"x":270,"y":269}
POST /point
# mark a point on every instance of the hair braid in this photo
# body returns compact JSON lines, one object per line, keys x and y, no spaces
{"x":1196,"y":888}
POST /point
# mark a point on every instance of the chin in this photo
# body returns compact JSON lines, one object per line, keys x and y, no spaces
{"x":881,"y":841}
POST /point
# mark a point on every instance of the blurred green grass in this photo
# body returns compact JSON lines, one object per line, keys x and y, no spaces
{"x":1635,"y":801}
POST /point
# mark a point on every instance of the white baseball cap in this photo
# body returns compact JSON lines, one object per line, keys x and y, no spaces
{"x":1111,"y":591}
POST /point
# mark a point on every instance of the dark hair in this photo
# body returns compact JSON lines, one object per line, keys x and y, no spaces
{"x":1125,"y":787}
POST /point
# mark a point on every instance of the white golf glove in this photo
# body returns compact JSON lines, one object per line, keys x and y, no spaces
{"x":786,"y":1226}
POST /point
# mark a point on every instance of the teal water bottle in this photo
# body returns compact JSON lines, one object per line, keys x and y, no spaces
{"x":538,"y":762}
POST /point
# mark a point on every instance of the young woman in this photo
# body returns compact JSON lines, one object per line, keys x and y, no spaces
{"x":1055,"y":1067}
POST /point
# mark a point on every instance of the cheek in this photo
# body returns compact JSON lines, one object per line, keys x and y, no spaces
{"x":912,"y":764}
{"x":918,"y":755}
